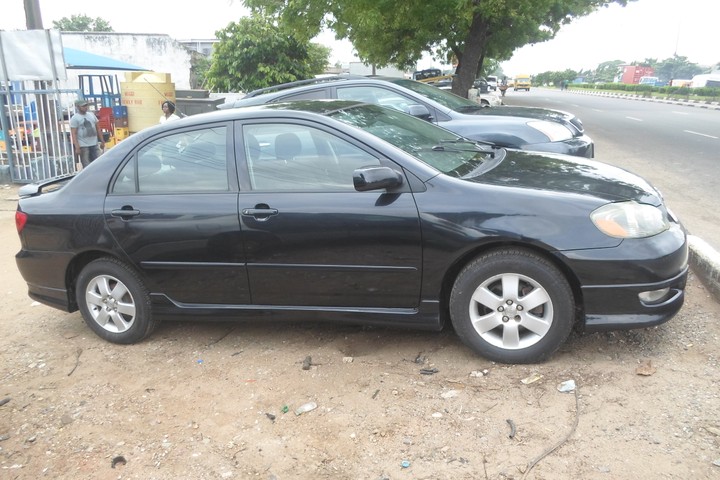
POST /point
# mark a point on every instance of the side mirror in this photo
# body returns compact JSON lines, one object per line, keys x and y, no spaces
{"x":376,"y":178}
{"x":419,"y":111}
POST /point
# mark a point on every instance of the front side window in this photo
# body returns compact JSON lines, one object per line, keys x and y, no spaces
{"x":437,"y":147}
{"x":286,"y":157}
{"x":194,"y":161}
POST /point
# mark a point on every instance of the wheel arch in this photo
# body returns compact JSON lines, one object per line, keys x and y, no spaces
{"x":76,"y":266}
{"x":452,"y":272}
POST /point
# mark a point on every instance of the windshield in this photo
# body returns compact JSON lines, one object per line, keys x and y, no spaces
{"x":443,"y":97}
{"x":439,"y":148}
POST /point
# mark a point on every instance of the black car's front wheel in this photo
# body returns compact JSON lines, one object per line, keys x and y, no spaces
{"x":512,"y":306}
{"x":114,"y":301}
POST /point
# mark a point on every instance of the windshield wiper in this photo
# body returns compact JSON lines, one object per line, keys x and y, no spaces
{"x":442,"y":148}
{"x":467,"y":140}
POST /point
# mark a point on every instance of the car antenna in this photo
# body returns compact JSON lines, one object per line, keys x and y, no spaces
{"x":182,"y":115}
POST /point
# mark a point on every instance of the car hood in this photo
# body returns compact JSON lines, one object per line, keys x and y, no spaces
{"x":566,"y":174}
{"x":537,"y":114}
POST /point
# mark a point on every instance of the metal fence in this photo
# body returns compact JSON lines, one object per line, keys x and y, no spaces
{"x":35,"y":139}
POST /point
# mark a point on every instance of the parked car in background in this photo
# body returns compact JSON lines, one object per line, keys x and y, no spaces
{"x":517,"y":127}
{"x":481,"y":94}
{"x":356,"y":213}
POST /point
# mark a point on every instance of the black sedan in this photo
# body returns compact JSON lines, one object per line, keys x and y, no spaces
{"x":526,"y":128}
{"x":356,"y":213}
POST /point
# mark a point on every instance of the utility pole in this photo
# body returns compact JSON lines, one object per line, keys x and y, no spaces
{"x":33,"y":17}
{"x":46,"y":116}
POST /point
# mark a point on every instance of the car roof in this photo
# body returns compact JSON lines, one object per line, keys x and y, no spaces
{"x":301,"y":109}
{"x":506,"y":116}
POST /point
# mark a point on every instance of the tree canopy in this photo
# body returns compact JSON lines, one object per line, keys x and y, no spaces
{"x":254,"y":53}
{"x":398,"y":32}
{"x":82,"y":23}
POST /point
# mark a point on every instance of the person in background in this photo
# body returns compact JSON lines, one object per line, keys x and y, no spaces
{"x":87,"y":139}
{"x":168,"y":109}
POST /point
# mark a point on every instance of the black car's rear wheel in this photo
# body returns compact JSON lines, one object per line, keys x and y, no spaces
{"x":512,"y":306}
{"x":114,"y":301}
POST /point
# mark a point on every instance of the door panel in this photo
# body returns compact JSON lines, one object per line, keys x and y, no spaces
{"x":177,"y":218}
{"x":311,"y":239}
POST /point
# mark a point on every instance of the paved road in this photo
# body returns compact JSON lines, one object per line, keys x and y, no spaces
{"x":676,"y":147}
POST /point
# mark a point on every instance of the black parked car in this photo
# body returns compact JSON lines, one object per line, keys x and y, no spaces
{"x":526,"y":128}
{"x":352,"y":212}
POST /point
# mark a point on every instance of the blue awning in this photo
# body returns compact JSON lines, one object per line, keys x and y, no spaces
{"x":78,"y":59}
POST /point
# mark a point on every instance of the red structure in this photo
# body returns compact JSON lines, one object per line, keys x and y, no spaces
{"x":633,"y":73}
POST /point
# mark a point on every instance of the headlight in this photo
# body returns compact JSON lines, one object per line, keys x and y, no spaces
{"x":554,"y":131}
{"x":629,"y":220}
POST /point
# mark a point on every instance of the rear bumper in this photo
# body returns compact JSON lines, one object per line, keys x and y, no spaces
{"x":44,"y":273}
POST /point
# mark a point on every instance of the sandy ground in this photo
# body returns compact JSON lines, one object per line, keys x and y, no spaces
{"x":218,"y":400}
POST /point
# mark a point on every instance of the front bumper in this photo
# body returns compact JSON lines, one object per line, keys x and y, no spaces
{"x":614,"y":283}
{"x":619,"y":307}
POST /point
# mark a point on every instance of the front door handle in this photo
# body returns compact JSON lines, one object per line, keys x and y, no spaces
{"x":260,"y":214}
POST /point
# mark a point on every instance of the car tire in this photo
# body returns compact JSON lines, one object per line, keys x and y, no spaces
{"x":114,"y":302}
{"x":512,"y":306}
{"x":484,"y":104}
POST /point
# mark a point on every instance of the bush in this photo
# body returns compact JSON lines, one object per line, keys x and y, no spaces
{"x":713,"y":92}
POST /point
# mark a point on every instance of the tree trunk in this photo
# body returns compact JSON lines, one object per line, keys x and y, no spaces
{"x":469,"y":61}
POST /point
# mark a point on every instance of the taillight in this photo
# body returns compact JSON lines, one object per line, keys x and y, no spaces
{"x":20,"y":220}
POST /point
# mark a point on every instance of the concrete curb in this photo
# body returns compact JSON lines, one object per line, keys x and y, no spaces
{"x":628,"y":96}
{"x":705,"y":262}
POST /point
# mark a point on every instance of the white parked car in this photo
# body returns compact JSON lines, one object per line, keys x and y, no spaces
{"x":489,"y":99}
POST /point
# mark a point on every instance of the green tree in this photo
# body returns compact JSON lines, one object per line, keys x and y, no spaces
{"x":318,"y":56}
{"x":676,"y":67}
{"x":82,"y":23}
{"x":397,"y":32}
{"x":607,"y":71}
{"x":199,"y":67}
{"x":255,"y":53}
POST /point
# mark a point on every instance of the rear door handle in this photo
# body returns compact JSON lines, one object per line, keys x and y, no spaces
{"x":125,"y":213}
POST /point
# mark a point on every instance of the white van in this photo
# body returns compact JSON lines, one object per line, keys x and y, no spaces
{"x":492,"y":82}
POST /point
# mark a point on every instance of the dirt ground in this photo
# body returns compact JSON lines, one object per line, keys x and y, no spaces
{"x":218,"y":400}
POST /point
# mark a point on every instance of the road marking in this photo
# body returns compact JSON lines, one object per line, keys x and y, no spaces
{"x":701,"y":134}
{"x":633,"y":118}
{"x":598,"y":110}
{"x":681,"y":113}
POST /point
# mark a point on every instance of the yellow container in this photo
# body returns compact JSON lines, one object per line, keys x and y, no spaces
{"x":143,"y":94}
{"x":121,"y":133}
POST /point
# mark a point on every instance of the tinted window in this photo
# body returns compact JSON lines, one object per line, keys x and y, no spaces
{"x":189,"y":161}
{"x":377,"y":96}
{"x":284,"y":157}
{"x":307,"y":95}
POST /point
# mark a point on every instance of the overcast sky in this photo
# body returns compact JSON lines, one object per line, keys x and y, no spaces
{"x":643,"y":29}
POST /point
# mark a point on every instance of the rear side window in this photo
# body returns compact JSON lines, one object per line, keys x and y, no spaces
{"x":377,"y":96}
{"x":318,"y":94}
{"x":193,"y":161}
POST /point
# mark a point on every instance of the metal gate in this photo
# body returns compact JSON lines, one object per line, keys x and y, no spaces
{"x":35,"y":141}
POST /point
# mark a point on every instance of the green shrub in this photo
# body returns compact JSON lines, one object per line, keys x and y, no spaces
{"x":713,"y":92}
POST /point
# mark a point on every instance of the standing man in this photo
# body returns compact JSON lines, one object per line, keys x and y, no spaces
{"x":86,"y":136}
